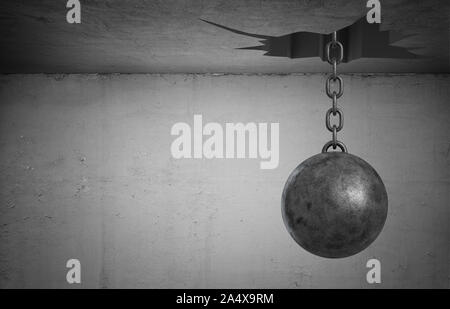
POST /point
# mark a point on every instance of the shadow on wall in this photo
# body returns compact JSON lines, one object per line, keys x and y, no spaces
{"x":360,"y":40}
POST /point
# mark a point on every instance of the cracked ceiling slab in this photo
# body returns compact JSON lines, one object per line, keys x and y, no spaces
{"x":138,"y":36}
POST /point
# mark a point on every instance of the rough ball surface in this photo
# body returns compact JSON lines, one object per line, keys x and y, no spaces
{"x":334,"y":204}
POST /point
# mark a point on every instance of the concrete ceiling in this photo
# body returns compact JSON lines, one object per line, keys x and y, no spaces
{"x":167,"y":36}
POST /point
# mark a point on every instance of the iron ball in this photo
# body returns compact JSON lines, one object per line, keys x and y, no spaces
{"x":334,"y":204}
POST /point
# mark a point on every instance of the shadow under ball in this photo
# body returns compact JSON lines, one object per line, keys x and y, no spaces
{"x":334,"y":204}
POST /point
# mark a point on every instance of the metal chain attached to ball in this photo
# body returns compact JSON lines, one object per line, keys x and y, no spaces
{"x":334,"y":204}
{"x":335,"y":95}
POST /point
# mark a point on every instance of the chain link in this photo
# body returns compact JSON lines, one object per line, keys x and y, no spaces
{"x":334,"y":81}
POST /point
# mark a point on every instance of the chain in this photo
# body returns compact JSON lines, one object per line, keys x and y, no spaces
{"x":334,"y":95}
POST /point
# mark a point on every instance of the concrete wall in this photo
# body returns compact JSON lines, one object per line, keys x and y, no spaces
{"x":86,"y":172}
